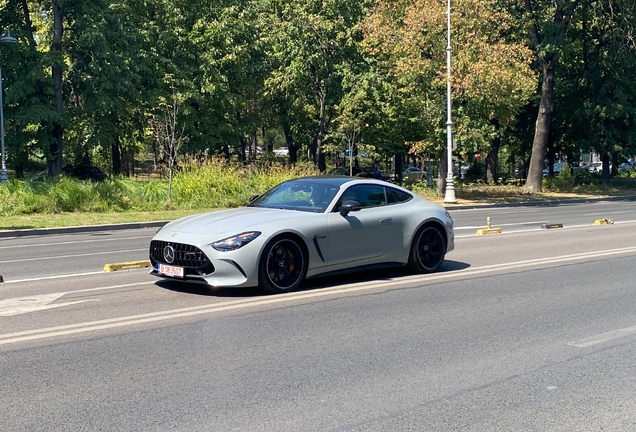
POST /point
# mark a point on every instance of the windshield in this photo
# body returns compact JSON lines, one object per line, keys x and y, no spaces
{"x":302,"y":195}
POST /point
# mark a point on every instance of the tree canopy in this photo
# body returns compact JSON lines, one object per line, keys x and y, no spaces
{"x":89,"y":80}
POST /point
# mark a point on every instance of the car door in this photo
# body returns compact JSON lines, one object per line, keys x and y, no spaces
{"x":365,"y":235}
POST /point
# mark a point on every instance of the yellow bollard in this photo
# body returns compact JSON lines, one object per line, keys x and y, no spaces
{"x":489,"y":229}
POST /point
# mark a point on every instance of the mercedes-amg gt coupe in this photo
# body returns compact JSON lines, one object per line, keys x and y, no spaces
{"x":304,"y":228}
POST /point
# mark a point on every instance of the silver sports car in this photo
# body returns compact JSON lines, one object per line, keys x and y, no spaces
{"x":304,"y":228}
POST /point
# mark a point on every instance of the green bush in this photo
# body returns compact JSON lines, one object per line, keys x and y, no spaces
{"x":564,"y":181}
{"x":215,"y":184}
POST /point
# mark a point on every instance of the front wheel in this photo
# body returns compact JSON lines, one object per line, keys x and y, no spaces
{"x":427,"y":250}
{"x":283,"y":265}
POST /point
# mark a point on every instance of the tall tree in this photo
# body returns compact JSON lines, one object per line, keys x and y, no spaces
{"x":107,"y":74}
{"x":603,"y":103}
{"x":548,"y":22}
{"x":29,"y":113}
{"x":55,"y":157}
{"x":491,"y":77}
{"x":312,"y":41}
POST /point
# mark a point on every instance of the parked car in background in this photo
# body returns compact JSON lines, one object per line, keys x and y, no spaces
{"x":557,"y":167}
{"x":84,"y":172}
{"x":281,"y":151}
{"x":357,"y":171}
{"x":413,"y":174}
{"x":582,"y":167}
{"x":625,"y":166}
{"x":595,"y":167}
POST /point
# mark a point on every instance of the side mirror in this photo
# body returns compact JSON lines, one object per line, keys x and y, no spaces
{"x":349,"y":206}
{"x":253,"y":198}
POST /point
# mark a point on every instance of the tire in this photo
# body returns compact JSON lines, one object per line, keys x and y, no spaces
{"x":283,"y":265}
{"x":427,"y":250}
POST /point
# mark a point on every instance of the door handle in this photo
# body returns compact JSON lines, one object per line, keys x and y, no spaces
{"x":386,"y":219}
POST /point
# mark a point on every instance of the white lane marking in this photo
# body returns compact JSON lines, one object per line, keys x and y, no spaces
{"x":130,"y":320}
{"x":72,"y":256}
{"x":604,"y":337}
{"x":64,"y":276}
{"x":499,"y":225}
{"x":521,"y":231}
{"x":75,"y":242}
{"x":611,"y":213}
{"x":500,"y":210}
{"x":38,"y":302}
{"x":53,"y":277}
{"x":22,"y":305}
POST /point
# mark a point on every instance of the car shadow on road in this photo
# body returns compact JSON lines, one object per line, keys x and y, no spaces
{"x":389,"y":274}
{"x":208,"y":291}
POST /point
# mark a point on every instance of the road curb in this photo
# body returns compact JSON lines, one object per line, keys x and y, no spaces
{"x":538,"y":203}
{"x":82,"y":228}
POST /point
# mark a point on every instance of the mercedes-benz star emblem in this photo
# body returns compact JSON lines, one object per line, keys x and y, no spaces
{"x":169,"y":254}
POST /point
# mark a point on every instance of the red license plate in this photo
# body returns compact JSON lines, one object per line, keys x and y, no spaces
{"x":170,"y":270}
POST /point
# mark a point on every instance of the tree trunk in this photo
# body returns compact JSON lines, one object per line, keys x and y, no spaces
{"x":443,"y":172}
{"x":28,"y":24}
{"x":289,"y":141}
{"x":541,"y":134}
{"x":492,"y":159}
{"x":322,"y":165}
{"x":116,"y":155}
{"x":243,"y":144}
{"x":551,"y":159}
{"x":398,"y":168}
{"x":607,"y":172}
{"x":55,"y":161}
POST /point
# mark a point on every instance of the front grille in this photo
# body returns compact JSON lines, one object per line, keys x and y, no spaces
{"x":190,"y":257}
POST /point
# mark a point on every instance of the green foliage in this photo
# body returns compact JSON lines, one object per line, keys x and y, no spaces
{"x":216,"y":184}
{"x":566,"y":181}
{"x":560,"y":182}
{"x":316,"y":76}
{"x":212,"y":185}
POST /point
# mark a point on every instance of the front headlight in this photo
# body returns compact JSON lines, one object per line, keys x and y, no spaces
{"x":235,"y":242}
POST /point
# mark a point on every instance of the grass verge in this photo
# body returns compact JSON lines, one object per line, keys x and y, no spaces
{"x":81,"y":219}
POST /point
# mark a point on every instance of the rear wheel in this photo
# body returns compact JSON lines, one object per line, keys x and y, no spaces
{"x":283,"y":265}
{"x":427,"y":250}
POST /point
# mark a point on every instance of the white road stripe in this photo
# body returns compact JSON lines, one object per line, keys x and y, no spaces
{"x":72,"y":256}
{"x":604,"y":337}
{"x":457,"y":228}
{"x":112,"y":323}
{"x":520,"y":231}
{"x":100,"y":240}
{"x":42,"y":278}
{"x":611,"y":213}
{"x":38,"y":302}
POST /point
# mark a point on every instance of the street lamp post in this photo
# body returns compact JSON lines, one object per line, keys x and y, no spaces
{"x":450,"y":186}
{"x":6,"y":39}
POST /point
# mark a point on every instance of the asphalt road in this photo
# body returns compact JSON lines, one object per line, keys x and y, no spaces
{"x":529,"y":330}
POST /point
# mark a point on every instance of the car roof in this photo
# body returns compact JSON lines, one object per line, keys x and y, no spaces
{"x":336,"y":180}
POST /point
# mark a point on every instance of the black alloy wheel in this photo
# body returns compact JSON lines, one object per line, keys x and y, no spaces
{"x":283,"y":265}
{"x":427,"y":250}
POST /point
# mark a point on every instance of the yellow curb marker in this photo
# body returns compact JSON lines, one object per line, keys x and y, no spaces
{"x":488,"y":229}
{"x":603,"y":221}
{"x":130,"y":265}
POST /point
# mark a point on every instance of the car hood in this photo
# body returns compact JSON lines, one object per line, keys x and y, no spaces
{"x":232,"y":221}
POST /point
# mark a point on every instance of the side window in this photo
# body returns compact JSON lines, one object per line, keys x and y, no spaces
{"x":395,"y":196}
{"x":366,"y":195}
